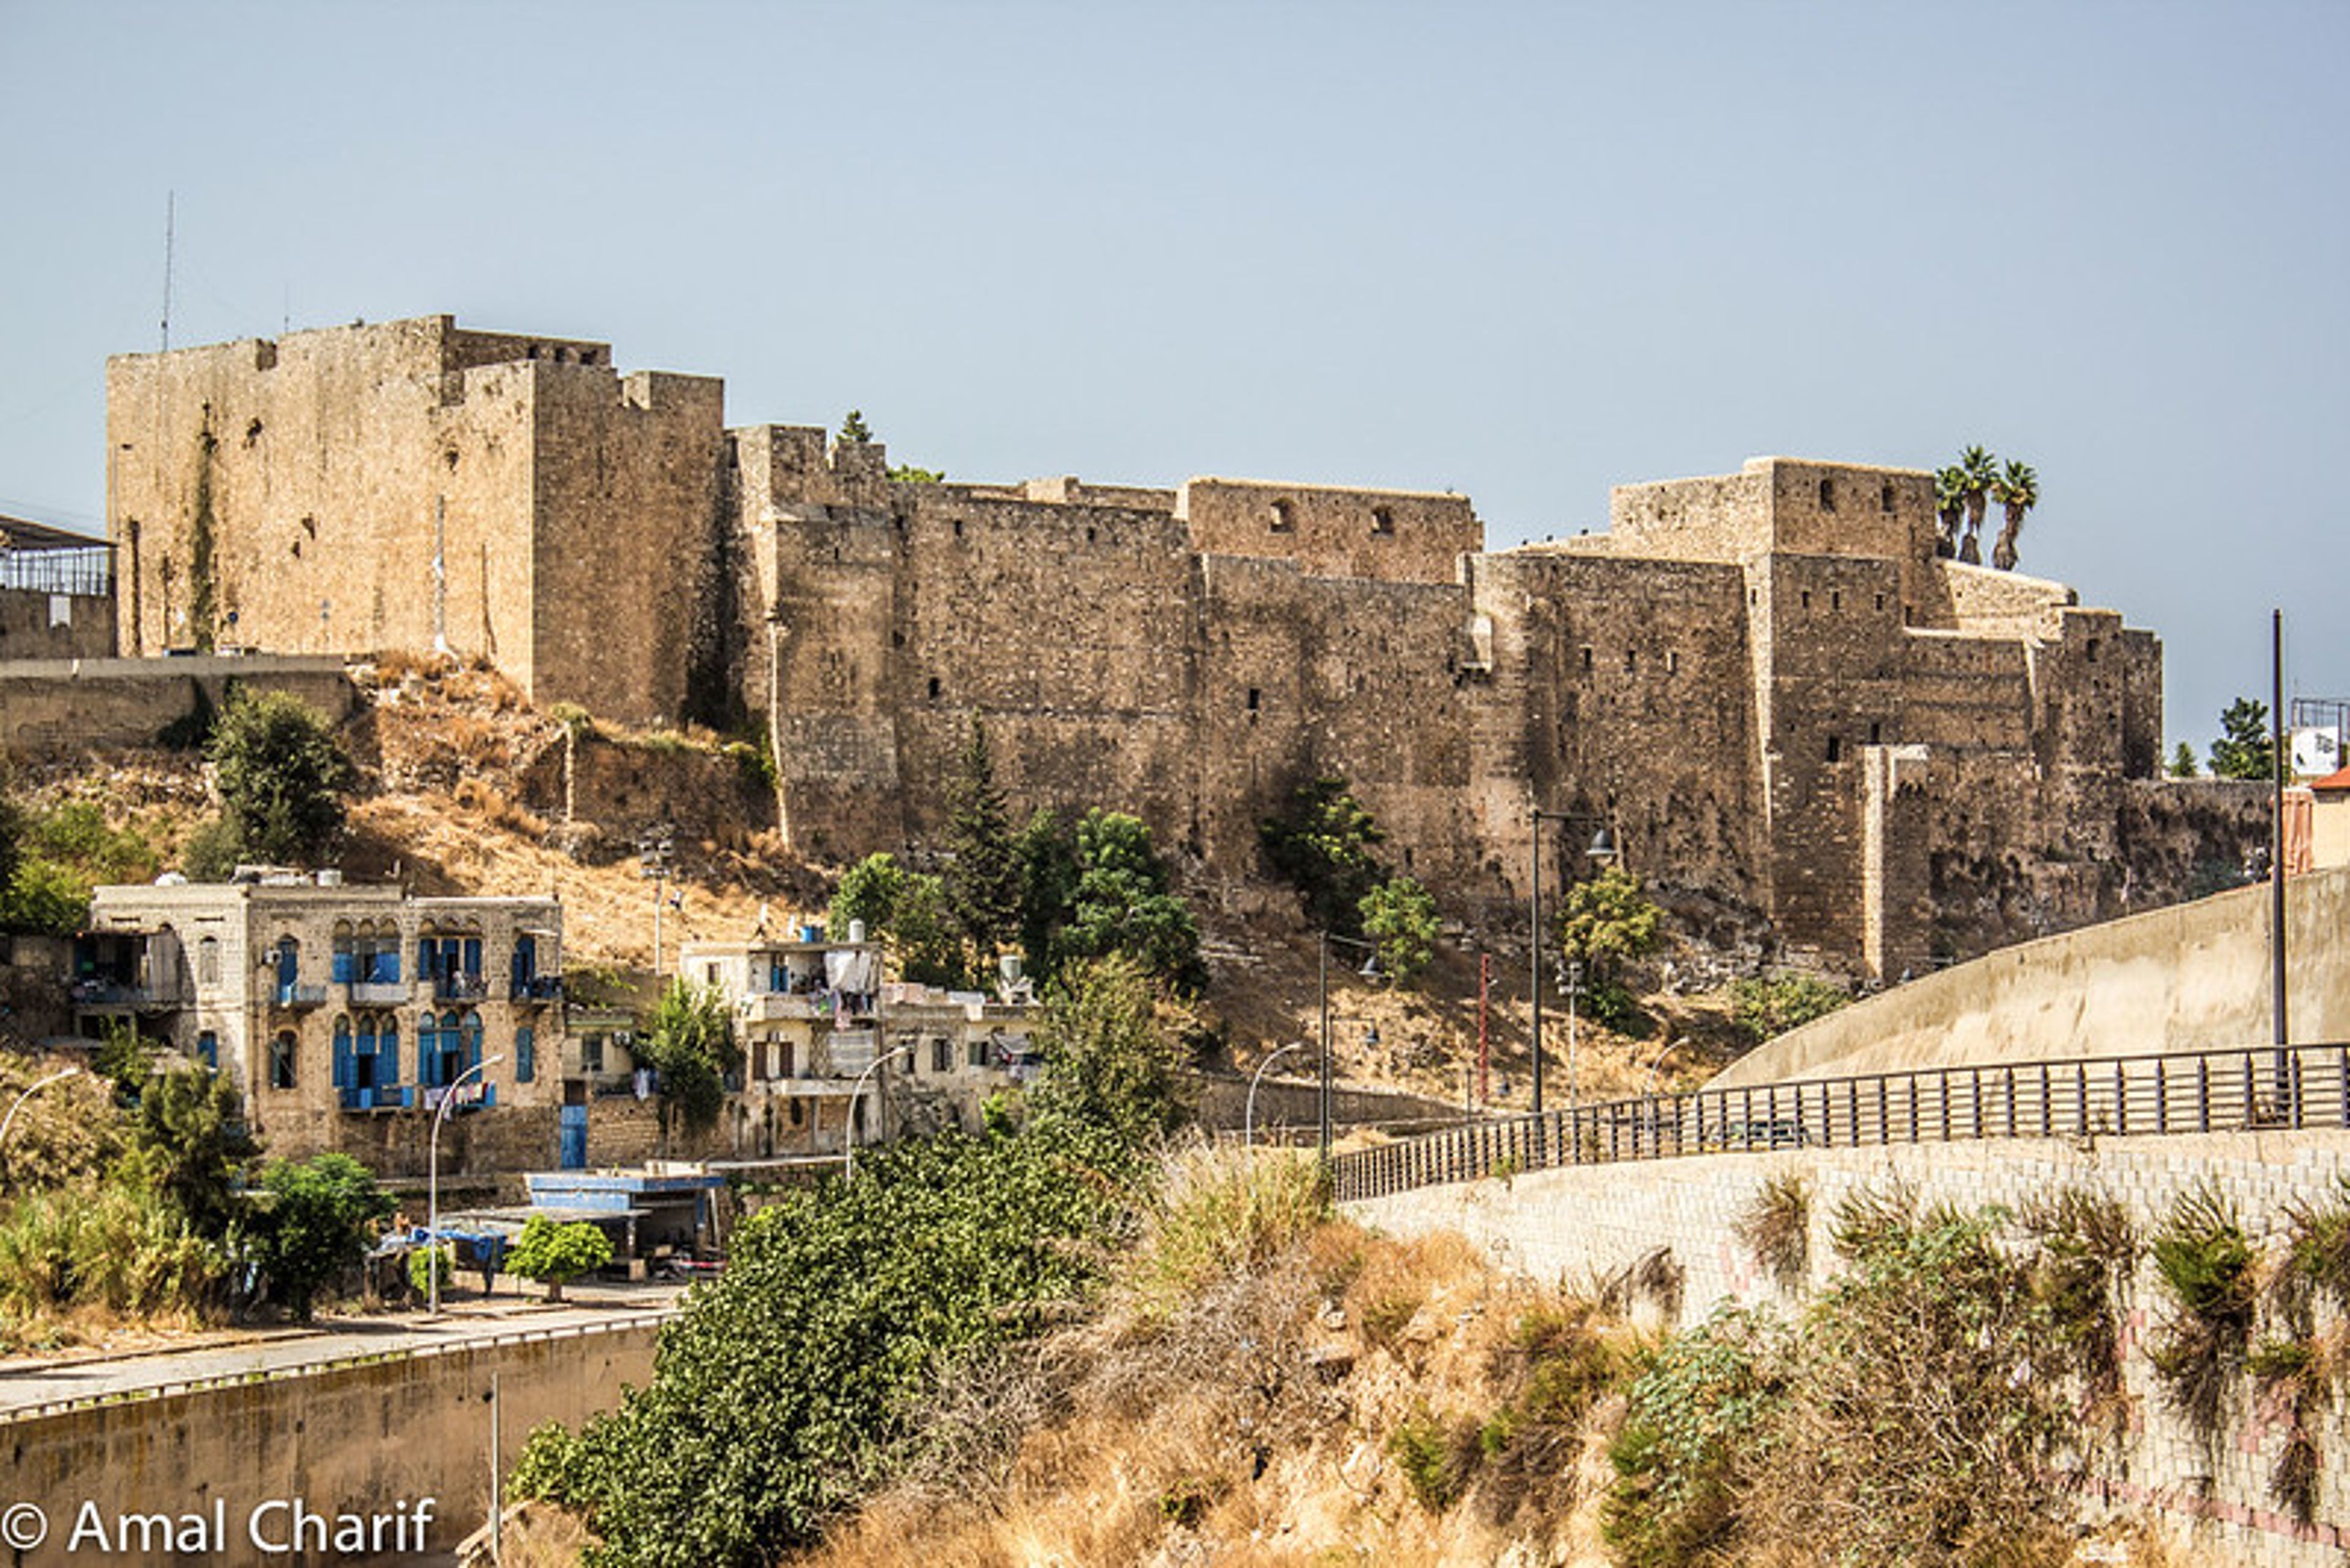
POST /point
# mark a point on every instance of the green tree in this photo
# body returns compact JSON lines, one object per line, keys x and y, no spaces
{"x":2245,"y":749}
{"x":314,"y":1219}
{"x":854,"y":431}
{"x":188,"y":1141}
{"x":689,"y":1045}
{"x":2182,"y":762}
{"x":906,"y":473}
{"x":2018,"y":492}
{"x":555,"y":1254}
{"x":280,"y":775}
{"x":1049,"y":873}
{"x":1321,"y":844}
{"x":983,"y":874}
{"x":1979,"y":470}
{"x":1111,"y":1060}
{"x":785,"y":1389}
{"x":924,"y":934}
{"x":1123,"y":904}
{"x":1399,"y":915}
{"x":1606,"y":919}
{"x":1950,"y":500}
{"x":868,"y":891}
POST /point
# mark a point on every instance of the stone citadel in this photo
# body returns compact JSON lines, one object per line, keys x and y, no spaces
{"x":1780,"y":698}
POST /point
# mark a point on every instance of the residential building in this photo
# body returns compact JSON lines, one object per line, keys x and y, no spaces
{"x":335,"y":1008}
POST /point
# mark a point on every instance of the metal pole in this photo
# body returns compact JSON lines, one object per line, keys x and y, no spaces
{"x":433,"y":1178}
{"x":1324,"y":1144}
{"x":2280,"y":1021}
{"x":497,"y":1489}
{"x":1248,"y":1117}
{"x":848,"y":1128}
{"x":1535,"y":899}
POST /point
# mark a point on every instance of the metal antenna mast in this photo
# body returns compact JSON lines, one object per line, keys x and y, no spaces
{"x":171,"y":203}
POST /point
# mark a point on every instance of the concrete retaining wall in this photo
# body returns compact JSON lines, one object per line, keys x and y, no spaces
{"x":368,"y":1437}
{"x":62,"y":707}
{"x":1576,"y":1224}
{"x":2193,"y":977}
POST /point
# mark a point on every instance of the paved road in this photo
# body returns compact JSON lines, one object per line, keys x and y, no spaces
{"x":28,"y":1382}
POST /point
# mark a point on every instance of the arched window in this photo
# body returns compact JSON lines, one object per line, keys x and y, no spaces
{"x":428,"y":1051}
{"x":289,"y":962}
{"x":387,"y":1051}
{"x":342,"y":1064}
{"x":208,"y":1048}
{"x":345,"y":969}
{"x":525,"y":1054}
{"x":208,"y":961}
{"x":472,"y":1041}
{"x":282,"y":1053}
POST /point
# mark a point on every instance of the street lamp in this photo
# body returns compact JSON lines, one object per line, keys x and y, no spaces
{"x":848,"y":1131}
{"x":1603,"y":850}
{"x":1369,"y":971}
{"x":9,"y":1120}
{"x":433,"y":1183}
{"x":1248,"y":1117}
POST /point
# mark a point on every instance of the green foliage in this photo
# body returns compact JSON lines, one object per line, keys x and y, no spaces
{"x":2182,"y":762}
{"x":1606,"y":919}
{"x":280,"y":775}
{"x":1692,"y":1409}
{"x":906,"y":473}
{"x":1122,"y":904}
{"x":1110,"y":1060}
{"x":983,"y":876}
{"x":187,"y":1142}
{"x":424,"y":1261}
{"x":209,"y":854}
{"x":854,"y":431}
{"x":2246,"y":749}
{"x":1399,"y":918}
{"x":47,"y":898}
{"x":868,"y":891}
{"x":56,"y":856}
{"x":313,"y":1220}
{"x":1610,"y":1002}
{"x":923,"y":932}
{"x":555,"y":1254}
{"x":689,"y":1044}
{"x":1321,"y":844}
{"x":1764,"y":1008}
{"x":116,"y":1247}
{"x":2206,"y":1265}
{"x":1049,"y":873}
{"x":1214,"y":1216}
{"x":570,"y":715}
{"x":789,"y":1384}
{"x":1432,"y":1459}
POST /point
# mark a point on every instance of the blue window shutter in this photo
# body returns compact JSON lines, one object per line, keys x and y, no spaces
{"x":387,"y":1054}
{"x":525,"y":1054}
{"x":342,"y":1061}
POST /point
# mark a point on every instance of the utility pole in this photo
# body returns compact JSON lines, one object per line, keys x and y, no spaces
{"x":2288,"y":1096}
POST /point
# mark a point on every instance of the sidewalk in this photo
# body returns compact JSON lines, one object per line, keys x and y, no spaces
{"x":245,"y":1353}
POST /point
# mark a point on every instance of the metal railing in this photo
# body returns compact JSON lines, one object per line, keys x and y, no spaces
{"x":2247,"y":1088}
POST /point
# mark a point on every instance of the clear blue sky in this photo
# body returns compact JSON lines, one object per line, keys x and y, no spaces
{"x":1525,"y":252}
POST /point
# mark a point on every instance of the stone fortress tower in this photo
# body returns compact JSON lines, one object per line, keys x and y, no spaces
{"x":1783,"y":702}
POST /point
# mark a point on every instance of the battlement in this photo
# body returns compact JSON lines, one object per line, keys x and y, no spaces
{"x":1779,"y":504}
{"x":1402,"y":535}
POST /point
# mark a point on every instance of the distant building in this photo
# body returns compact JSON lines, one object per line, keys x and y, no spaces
{"x":812,"y":1016}
{"x":342,"y":1012}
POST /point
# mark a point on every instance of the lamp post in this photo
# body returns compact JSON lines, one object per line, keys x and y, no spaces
{"x":1370,"y":969}
{"x":9,"y":1120}
{"x":433,"y":1185}
{"x":1248,"y":1117}
{"x":848,"y":1129}
{"x":1603,"y":849}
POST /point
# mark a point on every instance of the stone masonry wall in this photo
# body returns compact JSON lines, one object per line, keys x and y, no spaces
{"x":1398,"y":535}
{"x":60,"y":708}
{"x":1576,"y":1224}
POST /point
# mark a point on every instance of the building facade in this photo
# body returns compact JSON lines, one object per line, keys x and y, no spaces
{"x":343,"y":1014}
{"x":1791,"y":710}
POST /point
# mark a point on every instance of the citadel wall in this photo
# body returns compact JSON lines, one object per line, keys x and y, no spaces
{"x":1765,"y":682}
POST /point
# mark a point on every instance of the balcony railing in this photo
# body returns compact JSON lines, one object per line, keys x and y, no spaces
{"x":381,"y":992}
{"x":380,"y":1097}
{"x":2257,"y":1089}
{"x":298,"y":996}
{"x":538,"y":987}
{"x":115,"y":994}
{"x":458,"y":987}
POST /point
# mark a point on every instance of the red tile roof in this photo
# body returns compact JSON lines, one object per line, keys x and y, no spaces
{"x":2332,"y":782}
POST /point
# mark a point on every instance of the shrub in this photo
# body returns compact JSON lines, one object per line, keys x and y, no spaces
{"x":1435,"y":1459}
{"x":314,"y":1222}
{"x":555,"y":1253}
{"x":2205,"y":1263}
{"x":1764,"y":1008}
{"x":1321,"y":846}
{"x":424,"y":1261}
{"x":1776,"y":1227}
{"x":280,"y":775}
{"x":1400,"y":917}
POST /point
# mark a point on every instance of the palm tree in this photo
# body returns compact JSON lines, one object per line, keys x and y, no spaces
{"x":1979,"y":470}
{"x":2018,"y":490}
{"x":1949,"y":499}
